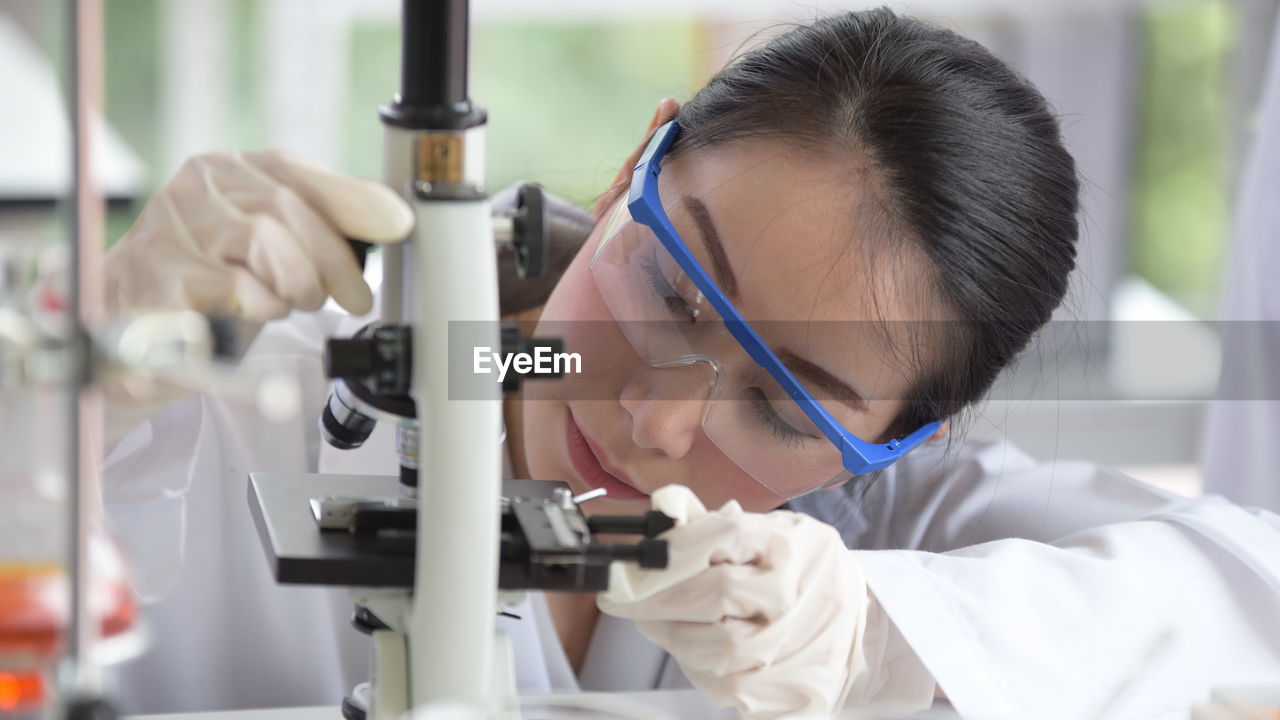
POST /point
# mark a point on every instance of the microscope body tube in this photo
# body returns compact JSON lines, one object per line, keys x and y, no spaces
{"x":452,"y":624}
{"x":454,"y":278}
{"x":446,"y":271}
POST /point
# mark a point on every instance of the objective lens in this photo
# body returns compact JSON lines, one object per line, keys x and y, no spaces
{"x":344,"y":427}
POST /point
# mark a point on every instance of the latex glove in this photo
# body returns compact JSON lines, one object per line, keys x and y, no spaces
{"x":764,"y":612}
{"x":252,"y":235}
{"x":248,"y":235}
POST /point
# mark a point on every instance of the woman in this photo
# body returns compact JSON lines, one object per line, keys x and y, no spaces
{"x":892,"y":183}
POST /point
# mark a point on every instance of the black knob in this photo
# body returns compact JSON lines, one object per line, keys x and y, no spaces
{"x":349,"y":358}
{"x":227,"y":338}
{"x":530,"y":226}
{"x":361,"y":250}
{"x":380,"y":356}
{"x":657,"y":522}
{"x":652,"y":554}
{"x":512,"y":342}
{"x":651,"y":524}
{"x":648,"y":554}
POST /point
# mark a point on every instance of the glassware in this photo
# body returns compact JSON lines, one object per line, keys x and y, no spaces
{"x":34,"y":587}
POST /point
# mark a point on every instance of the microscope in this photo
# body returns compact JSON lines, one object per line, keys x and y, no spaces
{"x":431,"y":555}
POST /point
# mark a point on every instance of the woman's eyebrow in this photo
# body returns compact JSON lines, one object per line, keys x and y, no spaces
{"x":830,"y":385}
{"x":719,"y":260}
{"x":834,"y":387}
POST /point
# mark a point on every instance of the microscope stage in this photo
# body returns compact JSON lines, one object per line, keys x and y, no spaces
{"x":299,"y":553}
{"x":539,"y":551}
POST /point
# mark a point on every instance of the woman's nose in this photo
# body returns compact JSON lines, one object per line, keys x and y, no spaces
{"x":666,"y":406}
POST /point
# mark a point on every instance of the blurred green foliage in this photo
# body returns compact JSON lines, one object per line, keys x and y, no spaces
{"x":134,"y":63}
{"x":1182,"y":175}
{"x":567,"y":102}
{"x":132,"y":82}
{"x":132,"y":88}
{"x":248,"y":122}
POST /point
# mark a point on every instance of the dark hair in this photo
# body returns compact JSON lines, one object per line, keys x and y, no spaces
{"x":966,"y":161}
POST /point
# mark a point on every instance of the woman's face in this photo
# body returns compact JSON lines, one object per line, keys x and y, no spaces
{"x":788,"y":246}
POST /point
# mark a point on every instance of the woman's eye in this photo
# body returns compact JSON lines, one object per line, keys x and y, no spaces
{"x":664,"y":291}
{"x":781,"y":429}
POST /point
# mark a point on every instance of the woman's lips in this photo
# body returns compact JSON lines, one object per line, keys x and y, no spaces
{"x":586,"y":460}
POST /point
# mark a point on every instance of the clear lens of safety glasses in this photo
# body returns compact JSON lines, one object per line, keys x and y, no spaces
{"x":669,"y":323}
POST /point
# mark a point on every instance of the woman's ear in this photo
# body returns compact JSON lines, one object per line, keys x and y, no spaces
{"x":943,"y":429}
{"x":666,"y":111}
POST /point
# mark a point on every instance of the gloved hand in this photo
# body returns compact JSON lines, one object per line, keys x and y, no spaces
{"x":765,"y":612}
{"x":252,"y":235}
{"x":249,"y":236}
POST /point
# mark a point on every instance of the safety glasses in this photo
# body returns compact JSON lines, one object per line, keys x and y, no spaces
{"x":674,"y":315}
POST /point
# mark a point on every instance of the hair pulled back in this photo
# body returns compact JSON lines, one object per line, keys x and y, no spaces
{"x":968,"y":163}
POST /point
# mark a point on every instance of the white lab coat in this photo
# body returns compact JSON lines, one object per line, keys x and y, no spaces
{"x":1028,"y":591}
{"x":1242,"y":454}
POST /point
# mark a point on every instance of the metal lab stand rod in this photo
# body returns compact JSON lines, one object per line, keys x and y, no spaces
{"x":79,"y":681}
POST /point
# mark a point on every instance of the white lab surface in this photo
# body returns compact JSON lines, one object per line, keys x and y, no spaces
{"x":1242,"y":454}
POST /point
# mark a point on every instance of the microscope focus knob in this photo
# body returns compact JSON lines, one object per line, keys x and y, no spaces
{"x":349,"y":357}
{"x":381,"y":356}
{"x":652,"y":554}
{"x":514,"y":343}
{"x":531,"y":231}
{"x":648,"y":553}
{"x":651,"y":524}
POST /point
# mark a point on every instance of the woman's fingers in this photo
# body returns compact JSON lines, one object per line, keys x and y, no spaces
{"x":253,"y":301}
{"x":279,"y":219}
{"x":316,"y":262}
{"x":229,"y":290}
{"x":744,"y":592}
{"x":322,"y":209}
{"x":719,"y":649}
{"x":356,"y":208}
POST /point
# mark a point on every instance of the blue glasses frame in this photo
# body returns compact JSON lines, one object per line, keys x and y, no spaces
{"x":858,"y":456}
